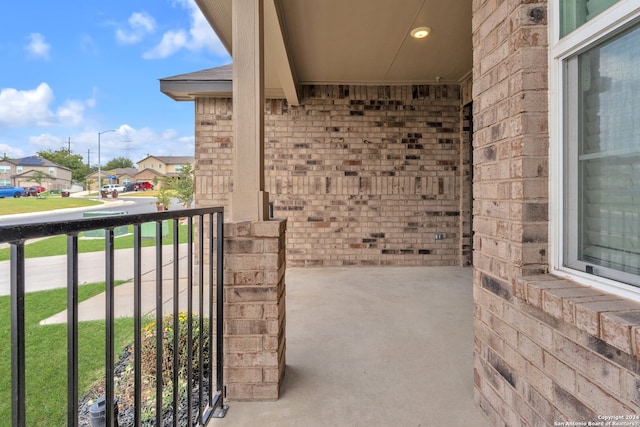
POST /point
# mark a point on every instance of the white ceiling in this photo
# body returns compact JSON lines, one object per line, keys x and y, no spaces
{"x":358,"y":41}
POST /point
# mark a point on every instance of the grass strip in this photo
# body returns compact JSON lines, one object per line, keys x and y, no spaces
{"x":46,"y":354}
{"x":10,"y":206}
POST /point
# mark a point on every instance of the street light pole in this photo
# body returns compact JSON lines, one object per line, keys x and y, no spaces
{"x":99,"y":167}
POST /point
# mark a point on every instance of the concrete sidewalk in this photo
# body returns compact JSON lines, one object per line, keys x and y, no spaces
{"x":94,"y":308}
{"x":51,"y":272}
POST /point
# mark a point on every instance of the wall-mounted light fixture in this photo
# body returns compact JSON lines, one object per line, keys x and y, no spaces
{"x":420,"y":32}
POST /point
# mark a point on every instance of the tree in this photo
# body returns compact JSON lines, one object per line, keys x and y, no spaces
{"x":119,"y":162}
{"x":63,"y":157}
{"x":183,"y":185}
{"x":39,"y":177}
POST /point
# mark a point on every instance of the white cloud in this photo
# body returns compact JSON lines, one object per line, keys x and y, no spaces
{"x":45,"y":142}
{"x":37,"y":46}
{"x":140,"y":24}
{"x":127,"y":141}
{"x":25,"y":108}
{"x":172,"y":41}
{"x":199,"y":37}
{"x":11,"y":152}
{"x":71,"y":113}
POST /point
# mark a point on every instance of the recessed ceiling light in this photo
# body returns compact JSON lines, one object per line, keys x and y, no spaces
{"x":420,"y":32}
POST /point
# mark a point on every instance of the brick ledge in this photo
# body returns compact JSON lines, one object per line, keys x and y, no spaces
{"x":610,"y":318}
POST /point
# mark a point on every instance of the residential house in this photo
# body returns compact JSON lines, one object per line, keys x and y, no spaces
{"x":21,"y":173}
{"x":112,"y":176}
{"x":511,"y":127}
{"x":154,"y":168}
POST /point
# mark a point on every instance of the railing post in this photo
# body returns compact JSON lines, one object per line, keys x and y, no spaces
{"x":220,"y":409}
{"x":137,"y":323}
{"x":109,"y":325}
{"x":72,"y":330}
{"x":18,"y":413}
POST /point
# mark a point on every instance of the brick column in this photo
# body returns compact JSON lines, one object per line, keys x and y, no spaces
{"x":254,"y":317}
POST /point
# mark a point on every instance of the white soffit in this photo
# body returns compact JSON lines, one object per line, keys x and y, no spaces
{"x":356,"y":41}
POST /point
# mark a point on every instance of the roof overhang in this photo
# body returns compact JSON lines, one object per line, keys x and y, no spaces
{"x":342,"y":42}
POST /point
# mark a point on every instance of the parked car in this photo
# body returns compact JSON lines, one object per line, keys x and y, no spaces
{"x":11,"y":191}
{"x":139,"y":186}
{"x":34,"y":190}
{"x":113,"y":187}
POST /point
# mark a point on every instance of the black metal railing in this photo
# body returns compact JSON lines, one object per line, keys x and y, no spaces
{"x":204,"y":252}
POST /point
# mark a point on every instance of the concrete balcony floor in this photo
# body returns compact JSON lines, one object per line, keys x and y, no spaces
{"x":373,"y":347}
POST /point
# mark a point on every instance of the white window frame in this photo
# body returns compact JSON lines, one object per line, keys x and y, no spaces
{"x":611,"y":21}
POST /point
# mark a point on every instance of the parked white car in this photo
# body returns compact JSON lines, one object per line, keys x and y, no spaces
{"x":114,"y":187}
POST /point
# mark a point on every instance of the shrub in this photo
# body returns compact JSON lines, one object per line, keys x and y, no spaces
{"x":124,"y":387}
{"x":149,"y":345}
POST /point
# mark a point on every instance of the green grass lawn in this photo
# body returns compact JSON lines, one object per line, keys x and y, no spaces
{"x":46,"y":355}
{"x":10,"y":206}
{"x":57,"y":245}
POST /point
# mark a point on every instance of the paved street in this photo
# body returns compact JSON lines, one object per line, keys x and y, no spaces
{"x":133,"y":205}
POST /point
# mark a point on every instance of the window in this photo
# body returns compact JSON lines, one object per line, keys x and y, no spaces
{"x":126,"y":181}
{"x":18,"y":169}
{"x":144,"y":166}
{"x":178,"y":168}
{"x":574,"y":13}
{"x":5,"y":182}
{"x":159,"y":165}
{"x":5,"y":169}
{"x":151,"y":165}
{"x":52,"y":170}
{"x":597,"y":152}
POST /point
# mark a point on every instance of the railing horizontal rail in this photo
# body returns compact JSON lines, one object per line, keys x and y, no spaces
{"x":11,"y":233}
{"x":204,"y":351}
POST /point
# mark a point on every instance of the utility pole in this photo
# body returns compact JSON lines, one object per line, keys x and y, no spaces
{"x":69,"y":145}
{"x":89,"y":157}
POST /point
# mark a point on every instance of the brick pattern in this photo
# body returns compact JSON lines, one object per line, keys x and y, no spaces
{"x":520,"y":376}
{"x":365,"y":175}
{"x":550,"y":350}
{"x":546,"y":350}
{"x":254,"y":310}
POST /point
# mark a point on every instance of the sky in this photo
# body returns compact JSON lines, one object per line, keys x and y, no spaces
{"x":70,"y":70}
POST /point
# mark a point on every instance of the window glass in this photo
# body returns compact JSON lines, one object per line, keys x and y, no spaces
{"x":574,"y":13}
{"x":52,"y":171}
{"x":5,"y":182}
{"x":18,"y":169}
{"x":5,"y":169}
{"x":602,"y":159}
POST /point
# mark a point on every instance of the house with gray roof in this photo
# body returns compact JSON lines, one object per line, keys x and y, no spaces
{"x":21,"y":173}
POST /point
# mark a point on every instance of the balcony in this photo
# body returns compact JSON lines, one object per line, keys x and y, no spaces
{"x":366,"y":346}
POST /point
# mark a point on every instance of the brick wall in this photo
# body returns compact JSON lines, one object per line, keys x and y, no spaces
{"x":365,"y":175}
{"x":546,"y":351}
